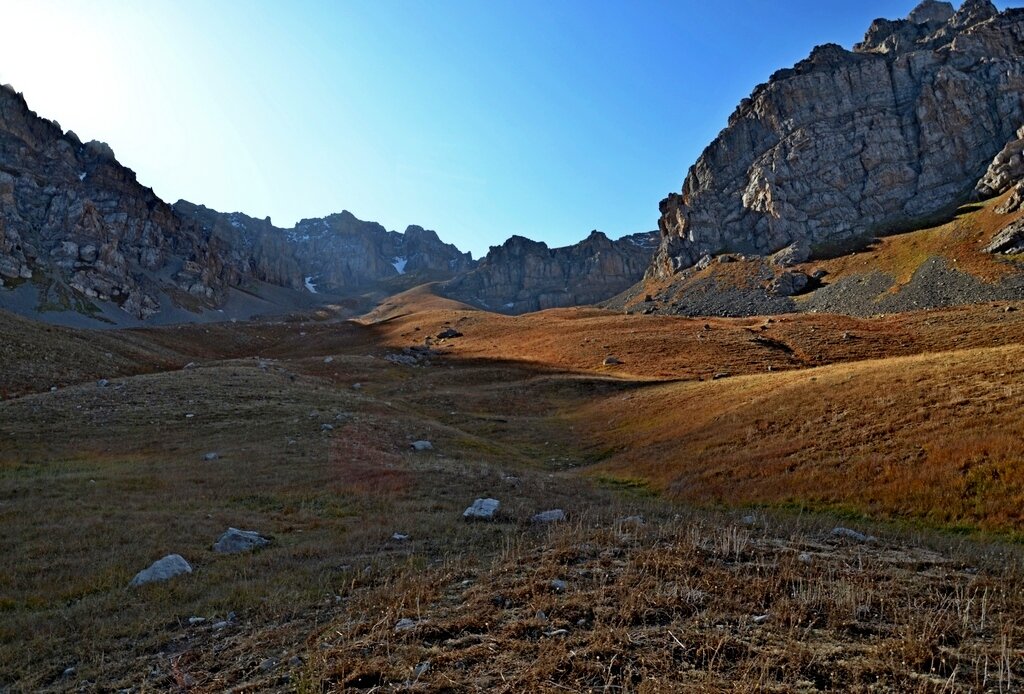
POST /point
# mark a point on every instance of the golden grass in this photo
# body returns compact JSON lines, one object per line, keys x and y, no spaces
{"x":933,"y":437}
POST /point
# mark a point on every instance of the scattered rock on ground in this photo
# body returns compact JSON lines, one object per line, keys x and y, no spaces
{"x":448,"y":333}
{"x":849,"y":534}
{"x":482,"y":509}
{"x":422,"y":446}
{"x":552,"y":516}
{"x":611,"y":361}
{"x":212,"y":455}
{"x":162,"y":570}
{"x":405,"y":624}
{"x":235,"y":540}
{"x":558,"y":585}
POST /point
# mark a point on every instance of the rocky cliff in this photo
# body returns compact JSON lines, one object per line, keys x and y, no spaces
{"x":847,"y":145}
{"x":337,"y":253}
{"x":84,"y":233}
{"x":523,"y":275}
{"x":80,"y":225}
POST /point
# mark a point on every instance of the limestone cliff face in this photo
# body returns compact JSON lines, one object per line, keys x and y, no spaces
{"x":76,"y":221}
{"x":337,"y":253}
{"x":523,"y":275}
{"x":851,"y":144}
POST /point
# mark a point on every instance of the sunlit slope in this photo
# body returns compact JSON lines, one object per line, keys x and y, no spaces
{"x":932,"y":436}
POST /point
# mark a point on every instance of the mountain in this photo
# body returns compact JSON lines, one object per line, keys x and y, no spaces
{"x":848,"y":145}
{"x":81,"y":228}
{"x":81,"y":241}
{"x":523,"y":275}
{"x":338,"y":253}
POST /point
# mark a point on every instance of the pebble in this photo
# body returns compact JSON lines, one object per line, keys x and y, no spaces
{"x":558,"y":585}
{"x":422,"y":446}
{"x":405,"y":624}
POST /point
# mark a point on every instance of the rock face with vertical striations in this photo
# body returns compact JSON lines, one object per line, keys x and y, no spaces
{"x":78,"y":223}
{"x":847,"y":145}
{"x":523,"y":275}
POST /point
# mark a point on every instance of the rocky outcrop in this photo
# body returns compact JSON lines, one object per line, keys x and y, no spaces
{"x":847,"y":145}
{"x":73,"y":218}
{"x":336,"y":254}
{"x":523,"y":275}
{"x":80,"y":226}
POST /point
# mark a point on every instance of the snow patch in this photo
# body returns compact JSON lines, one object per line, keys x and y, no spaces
{"x":510,"y":304}
{"x":310,"y":286}
{"x":399,"y":264}
{"x":81,"y":176}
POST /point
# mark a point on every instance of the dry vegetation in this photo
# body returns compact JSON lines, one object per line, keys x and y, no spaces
{"x":910,"y":420}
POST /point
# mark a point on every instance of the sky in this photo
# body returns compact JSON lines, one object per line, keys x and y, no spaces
{"x":479,"y":119}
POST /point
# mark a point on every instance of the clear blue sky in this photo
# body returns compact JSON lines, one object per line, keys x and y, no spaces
{"x":477,"y":118}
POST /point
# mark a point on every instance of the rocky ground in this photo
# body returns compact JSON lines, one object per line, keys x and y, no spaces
{"x":157,"y":441}
{"x":932,"y":267}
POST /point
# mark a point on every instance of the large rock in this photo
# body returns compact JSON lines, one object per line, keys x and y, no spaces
{"x":235,"y":540}
{"x":162,"y":570}
{"x":523,"y":275}
{"x":847,"y":145}
{"x":482,"y":509}
{"x":1009,"y":240}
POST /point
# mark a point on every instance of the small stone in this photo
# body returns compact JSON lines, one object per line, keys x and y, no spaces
{"x":235,"y":540}
{"x":761,"y":619}
{"x":69,"y":672}
{"x":161,"y":570}
{"x":806,"y":558}
{"x":540,"y":616}
{"x":357,"y":386}
{"x":103,"y":383}
{"x":399,"y":537}
{"x":326,"y":427}
{"x":53,"y":389}
{"x":552,"y":516}
{"x":190,"y":365}
{"x":269,"y":664}
{"x":328,"y":360}
{"x":189,"y":415}
{"x":405,"y":624}
{"x":217,"y":626}
{"x":212,"y":455}
{"x":422,"y":446}
{"x":557,"y":632}
{"x":749,"y":520}
{"x":558,"y":585}
{"x":634,"y":520}
{"x":482,"y":509}
{"x":611,"y":361}
{"x":295,"y":661}
{"x":720,"y":375}
{"x":192,"y":621}
{"x":448,"y":334}
{"x":849,"y":534}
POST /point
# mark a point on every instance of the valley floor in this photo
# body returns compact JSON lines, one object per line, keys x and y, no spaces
{"x":702,"y":474}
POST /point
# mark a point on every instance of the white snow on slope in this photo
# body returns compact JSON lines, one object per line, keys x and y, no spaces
{"x":310,"y":286}
{"x":399,"y":264}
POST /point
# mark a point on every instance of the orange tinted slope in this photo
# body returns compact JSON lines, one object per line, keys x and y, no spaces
{"x":935,"y":436}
